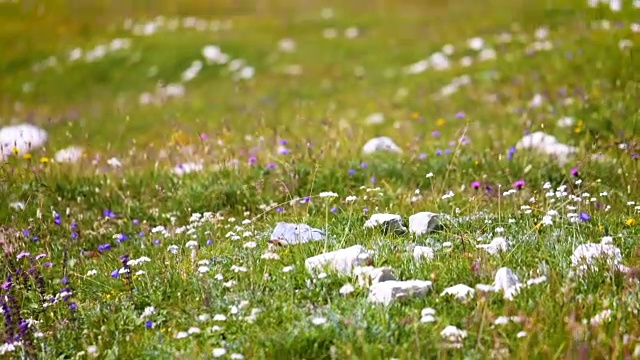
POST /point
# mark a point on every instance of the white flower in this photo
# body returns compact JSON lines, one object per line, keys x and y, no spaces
{"x":328,"y":194}
{"x":92,"y":272}
{"x":521,"y":334}
{"x":270,"y":256}
{"x":193,"y":330}
{"x":346,"y":289}
{"x":173,"y":249}
{"x":181,"y":335}
{"x":318,"y":321}
{"x":203,"y":269}
{"x":429,"y":175}
{"x":203,"y":317}
{"x":351,"y":198}
{"x":148,"y":311}
{"x":219,"y":317}
{"x":114,"y":162}
{"x":218,"y":352}
{"x":287,"y":269}
{"x":236,"y":356}
{"x":250,"y":245}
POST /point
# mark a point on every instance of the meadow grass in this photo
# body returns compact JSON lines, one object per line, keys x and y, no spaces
{"x":265,"y":147}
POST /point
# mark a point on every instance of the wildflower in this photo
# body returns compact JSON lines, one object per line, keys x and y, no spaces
{"x":318,"y":321}
{"x":115,"y":273}
{"x":585,"y":216}
{"x":328,"y":194}
{"x":519,"y":184}
{"x":630,"y":222}
{"x":218,"y":352}
{"x":346,"y":289}
{"x":149,"y":324}
{"x":44,"y":160}
{"x":287,"y":269}
{"x":574,"y":172}
{"x":104,"y":247}
{"x":475,"y":185}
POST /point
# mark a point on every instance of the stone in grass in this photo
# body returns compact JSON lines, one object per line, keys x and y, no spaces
{"x":388,"y":291}
{"x":388,"y":223}
{"x":461,"y":292}
{"x":369,"y":275}
{"x":548,"y":145}
{"x":71,"y":154}
{"x":290,"y":234}
{"x":507,"y":281}
{"x":342,"y":261}
{"x":423,"y":223}
{"x":423,"y":253}
{"x":21,"y":138}
{"x":382,"y":143}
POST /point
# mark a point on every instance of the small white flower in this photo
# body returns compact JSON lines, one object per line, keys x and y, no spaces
{"x":230,"y":283}
{"x":287,"y":269}
{"x":193,"y":330}
{"x":270,"y":256}
{"x":328,"y":194}
{"x":114,"y":162}
{"x":318,"y":321}
{"x":429,"y":175}
{"x":351,"y":198}
{"x":236,"y":356}
{"x":181,"y":335}
{"x":203,"y":317}
{"x":92,"y":272}
{"x":346,"y":289}
{"x":521,"y":334}
{"x":191,"y":244}
{"x":219,"y":317}
{"x":237,"y":269}
{"x":249,"y":245}
{"x":148,"y":311}
{"x":173,"y":249}
{"x":218,"y":352}
{"x":203,"y":269}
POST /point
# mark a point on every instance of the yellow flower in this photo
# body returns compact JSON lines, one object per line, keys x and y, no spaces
{"x":44,"y":159}
{"x":415,"y":115}
{"x":179,"y":138}
{"x":15,"y":151}
{"x":601,"y":227}
{"x":27,"y":156}
{"x":630,"y":222}
{"x":441,"y":122}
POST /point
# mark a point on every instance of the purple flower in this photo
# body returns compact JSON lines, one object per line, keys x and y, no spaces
{"x":73,"y":306}
{"x":252,"y":160}
{"x":64,"y":280}
{"x":47,"y":264}
{"x":584,"y":216}
{"x":283,"y":142}
{"x":124,"y":259}
{"x":104,"y":247}
{"x":6,"y":285}
{"x":438,"y":152}
{"x":23,"y":254}
{"x":57,"y":219}
{"x":121,"y":237}
{"x":108,"y":213}
{"x":209,"y":242}
{"x":141,"y":234}
{"x":271,"y":165}
{"x":25,"y":232}
{"x":148,"y":324}
{"x":35,"y":239}
{"x":74,"y":235}
{"x":435,"y":133}
{"x":156,"y":242}
{"x":136,"y":221}
{"x":334,"y":209}
{"x":115,"y":273}
{"x":306,"y":199}
{"x":447,"y":151}
{"x":40,"y":256}
{"x":373,"y":179}
{"x":511,"y":152}
{"x":351,"y":171}
{"x":519,"y":184}
{"x":365,"y":210}
{"x":574,"y":172}
{"x":74,"y":225}
{"x":203,"y":136}
{"x":279,"y":209}
{"x":363,"y":165}
{"x":475,"y":184}
{"x":460,"y":115}
{"x":422,"y":156}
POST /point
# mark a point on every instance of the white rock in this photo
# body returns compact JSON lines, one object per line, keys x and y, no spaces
{"x":507,"y":281}
{"x":423,"y":253}
{"x":72,"y":154}
{"x":546,"y":144}
{"x":369,"y":275}
{"x":388,"y":222}
{"x":22,"y":137}
{"x":382,"y":143}
{"x":460,"y":292}
{"x":423,"y":223}
{"x":388,"y":291}
{"x":343,"y":261}
{"x":588,"y":256}
{"x":496,"y":245}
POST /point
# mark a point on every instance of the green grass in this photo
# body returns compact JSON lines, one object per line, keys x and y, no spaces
{"x":321,"y":115}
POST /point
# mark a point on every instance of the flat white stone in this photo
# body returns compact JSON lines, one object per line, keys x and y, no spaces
{"x":342,"y":261}
{"x":388,"y":222}
{"x":369,"y":275}
{"x":382,"y":143}
{"x":388,"y":291}
{"x":423,"y":253}
{"x":423,"y":223}
{"x":460,"y":292}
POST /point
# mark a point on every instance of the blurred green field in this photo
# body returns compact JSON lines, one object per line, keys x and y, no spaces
{"x":317,"y":73}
